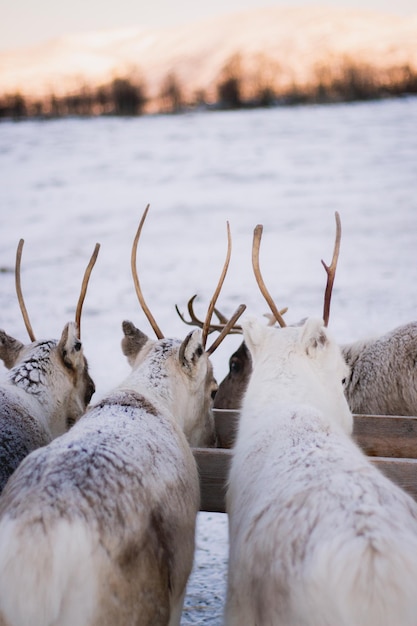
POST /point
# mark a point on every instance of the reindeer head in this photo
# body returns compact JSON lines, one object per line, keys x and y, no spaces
{"x":232,"y":387}
{"x":179,"y":372}
{"x":53,"y":373}
{"x":69,"y":354}
{"x":298,"y":364}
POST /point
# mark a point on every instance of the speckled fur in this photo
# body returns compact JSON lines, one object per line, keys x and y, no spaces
{"x":383,"y":378}
{"x":40,"y":395}
{"x":97,"y":528}
{"x":318,"y":536}
{"x":20,"y":434}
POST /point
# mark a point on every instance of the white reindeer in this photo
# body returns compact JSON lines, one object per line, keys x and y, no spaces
{"x":97,"y":528}
{"x":382,"y":378}
{"x":318,"y":536}
{"x":47,"y":386}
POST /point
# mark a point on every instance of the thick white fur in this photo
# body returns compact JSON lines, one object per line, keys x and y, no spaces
{"x":97,"y":528}
{"x":318,"y":536}
{"x":45,"y":391}
{"x":42,"y":558}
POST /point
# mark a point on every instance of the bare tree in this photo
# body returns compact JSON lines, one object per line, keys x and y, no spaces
{"x":229,"y":87}
{"x":172,"y":94}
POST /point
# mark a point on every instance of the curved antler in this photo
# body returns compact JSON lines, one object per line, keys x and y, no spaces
{"x":213,"y":301}
{"x":138,"y":289}
{"x":227,"y":328}
{"x":331,"y":271}
{"x":19,"y":291}
{"x":84,"y":286}
{"x":194,"y":321}
{"x":271,"y":318}
{"x":257,"y":236}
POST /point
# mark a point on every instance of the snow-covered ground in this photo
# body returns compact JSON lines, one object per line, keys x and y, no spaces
{"x":65,"y":185}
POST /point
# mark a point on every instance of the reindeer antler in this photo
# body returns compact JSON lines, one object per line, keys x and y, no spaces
{"x":138,"y":289}
{"x":19,"y":291}
{"x":212,"y":306}
{"x":271,"y":318}
{"x":227,"y":329}
{"x":331,"y":271}
{"x":84,"y":286}
{"x":226,"y":326}
{"x":257,"y":236}
{"x":194,"y":321}
{"x":213,"y":301}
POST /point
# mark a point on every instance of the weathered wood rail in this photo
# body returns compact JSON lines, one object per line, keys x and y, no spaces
{"x":390,"y":441}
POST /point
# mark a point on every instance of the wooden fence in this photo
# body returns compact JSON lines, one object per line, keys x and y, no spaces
{"x":389,"y":441}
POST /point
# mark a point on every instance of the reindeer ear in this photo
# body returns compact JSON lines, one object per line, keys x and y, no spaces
{"x":313,"y":336}
{"x":254,"y":333}
{"x":133,"y":341}
{"x":191,"y":350}
{"x":10,"y":349}
{"x":69,"y":346}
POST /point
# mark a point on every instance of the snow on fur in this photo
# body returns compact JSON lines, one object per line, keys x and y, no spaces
{"x":44,"y":392}
{"x":318,"y":536}
{"x":97,"y":528}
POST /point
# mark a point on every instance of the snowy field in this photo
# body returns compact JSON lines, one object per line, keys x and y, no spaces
{"x":67,"y":184}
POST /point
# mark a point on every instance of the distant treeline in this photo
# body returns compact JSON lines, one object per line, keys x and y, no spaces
{"x":127,"y":96}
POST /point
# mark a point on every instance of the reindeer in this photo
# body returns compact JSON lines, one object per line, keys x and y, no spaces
{"x":47,"y":386}
{"x":97,"y":528}
{"x":382,"y":378}
{"x":383,"y":375}
{"x":232,"y":388}
{"x":318,"y":536}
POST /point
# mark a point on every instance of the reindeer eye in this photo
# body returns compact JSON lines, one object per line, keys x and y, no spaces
{"x":199,"y":350}
{"x":77,"y":346}
{"x":343,"y":381}
{"x":235,"y":366}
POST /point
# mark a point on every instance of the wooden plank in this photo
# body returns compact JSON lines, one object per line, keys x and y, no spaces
{"x":403,"y":472}
{"x":214,"y":465}
{"x":377,"y":435}
{"x":386,"y":435}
